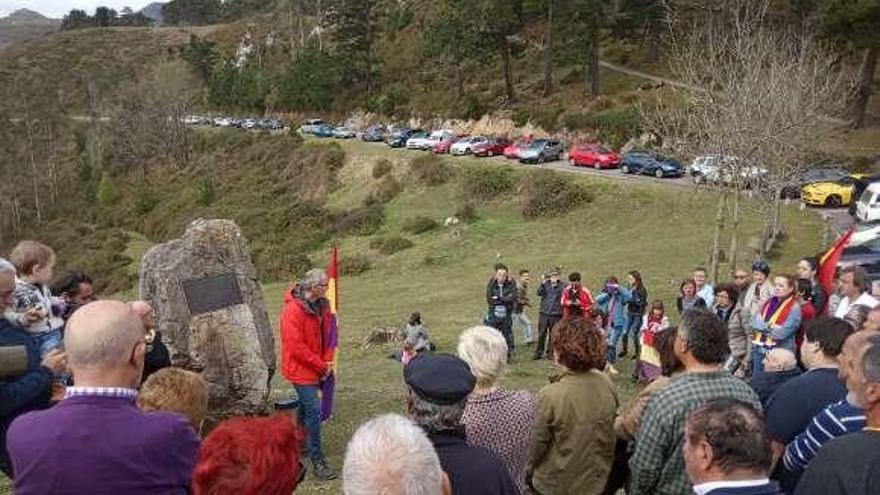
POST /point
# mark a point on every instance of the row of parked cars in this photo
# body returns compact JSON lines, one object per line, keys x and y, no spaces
{"x":240,"y":123}
{"x":526,"y":149}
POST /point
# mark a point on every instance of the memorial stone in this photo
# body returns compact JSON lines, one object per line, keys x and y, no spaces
{"x":211,"y":313}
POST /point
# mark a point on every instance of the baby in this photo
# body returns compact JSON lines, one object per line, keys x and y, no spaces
{"x":34,"y":308}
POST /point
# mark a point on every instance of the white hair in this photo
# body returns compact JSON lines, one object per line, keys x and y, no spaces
{"x":485,"y":351}
{"x":7,"y":266}
{"x":313,"y":278}
{"x":392,"y":456}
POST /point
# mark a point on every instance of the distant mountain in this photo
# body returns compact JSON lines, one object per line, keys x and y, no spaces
{"x":153,"y":11}
{"x":24,"y":25}
{"x":25,"y":16}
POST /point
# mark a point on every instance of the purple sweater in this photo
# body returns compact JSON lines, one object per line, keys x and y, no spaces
{"x":101,"y":445}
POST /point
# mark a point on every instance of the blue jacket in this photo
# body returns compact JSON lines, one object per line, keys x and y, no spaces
{"x":618,"y":299}
{"x":783,"y":334}
{"x":27,"y":392}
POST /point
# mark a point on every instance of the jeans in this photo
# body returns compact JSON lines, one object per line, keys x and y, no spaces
{"x":634,"y":330}
{"x":310,"y":418}
{"x":47,"y":341}
{"x":524,"y":322}
{"x":505,"y":326}
{"x":612,"y":337}
{"x":758,"y":353}
{"x":545,"y":333}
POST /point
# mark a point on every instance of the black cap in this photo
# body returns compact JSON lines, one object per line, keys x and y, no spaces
{"x":439,"y":378}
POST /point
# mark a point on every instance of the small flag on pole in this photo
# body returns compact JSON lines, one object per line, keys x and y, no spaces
{"x":328,"y":386}
{"x":828,"y":263}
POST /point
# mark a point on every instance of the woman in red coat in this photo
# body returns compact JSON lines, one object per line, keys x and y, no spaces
{"x":306,"y":358}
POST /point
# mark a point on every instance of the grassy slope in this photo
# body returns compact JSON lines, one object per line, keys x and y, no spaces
{"x":660,"y":231}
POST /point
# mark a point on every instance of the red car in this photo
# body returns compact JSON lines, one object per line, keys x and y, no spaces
{"x":443,"y":146}
{"x":512,"y":151}
{"x":492,"y":147}
{"x":593,"y":155}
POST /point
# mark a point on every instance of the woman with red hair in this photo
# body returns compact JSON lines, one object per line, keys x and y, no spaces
{"x":250,"y":456}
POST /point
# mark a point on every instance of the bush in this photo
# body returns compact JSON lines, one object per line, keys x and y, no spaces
{"x":485,"y":183}
{"x":354,"y":264}
{"x":386,"y":190}
{"x":545,"y":117}
{"x":472,"y":107}
{"x":430,"y":170}
{"x":545,"y":193}
{"x":419,"y":225}
{"x":389,"y":101}
{"x":106,"y":194}
{"x":206,"y":193}
{"x":466,"y":213}
{"x":390,"y":245}
{"x":381,"y":168}
{"x":617,"y":126}
{"x":360,"y":221}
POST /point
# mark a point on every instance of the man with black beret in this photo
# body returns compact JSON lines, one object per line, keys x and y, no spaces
{"x":438,"y":386}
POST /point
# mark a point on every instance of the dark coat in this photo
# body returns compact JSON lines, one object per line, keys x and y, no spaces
{"x":764,"y":384}
{"x":472,"y":470}
{"x":156,"y":358}
{"x":504,"y":295}
{"x":769,"y":489}
{"x":551,"y":298}
{"x":28,"y":392}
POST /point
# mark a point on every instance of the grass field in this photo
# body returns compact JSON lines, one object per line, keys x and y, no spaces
{"x":660,"y":230}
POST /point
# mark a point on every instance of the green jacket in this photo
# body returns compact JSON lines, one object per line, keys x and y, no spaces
{"x":574,"y":439}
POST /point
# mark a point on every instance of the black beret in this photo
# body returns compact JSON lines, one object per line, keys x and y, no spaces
{"x":439,"y":378}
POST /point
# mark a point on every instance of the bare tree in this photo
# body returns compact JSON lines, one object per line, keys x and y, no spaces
{"x":766,"y":99}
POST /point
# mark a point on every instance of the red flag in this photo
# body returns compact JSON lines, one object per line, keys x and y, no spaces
{"x":328,"y":386}
{"x":828,"y":262}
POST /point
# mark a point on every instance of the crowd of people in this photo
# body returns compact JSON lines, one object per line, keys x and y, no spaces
{"x":766,"y":385}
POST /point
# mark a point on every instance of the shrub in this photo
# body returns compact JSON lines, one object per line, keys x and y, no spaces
{"x":466,"y":213}
{"x":106,"y":194}
{"x":485,"y":183}
{"x":206,"y":193}
{"x":472,"y":107}
{"x":419,"y":225}
{"x":545,"y":193}
{"x":360,"y":221}
{"x":616,"y":125}
{"x":430,"y":170}
{"x":145,"y":201}
{"x":386,"y":190}
{"x":545,"y":117}
{"x":354,"y":264}
{"x":381,"y":168}
{"x":390,"y":245}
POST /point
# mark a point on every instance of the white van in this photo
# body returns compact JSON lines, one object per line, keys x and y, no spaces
{"x":868,"y":206}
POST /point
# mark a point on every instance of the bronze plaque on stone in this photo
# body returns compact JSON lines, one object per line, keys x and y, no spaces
{"x":207,"y":294}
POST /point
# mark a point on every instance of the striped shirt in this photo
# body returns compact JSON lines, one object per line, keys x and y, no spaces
{"x":834,"y":421}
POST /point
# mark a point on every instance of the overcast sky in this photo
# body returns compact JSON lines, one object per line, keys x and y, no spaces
{"x":57,"y":8}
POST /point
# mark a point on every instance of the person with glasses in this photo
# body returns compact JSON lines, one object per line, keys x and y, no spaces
{"x":306,"y":357}
{"x":250,"y":456}
{"x":26,"y":386}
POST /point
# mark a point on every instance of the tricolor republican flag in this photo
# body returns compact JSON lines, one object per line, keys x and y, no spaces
{"x":328,"y":386}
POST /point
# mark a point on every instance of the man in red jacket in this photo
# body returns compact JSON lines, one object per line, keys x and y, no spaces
{"x":305,"y":358}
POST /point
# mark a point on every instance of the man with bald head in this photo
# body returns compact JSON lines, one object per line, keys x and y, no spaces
{"x":25,"y":378}
{"x":95,"y":440}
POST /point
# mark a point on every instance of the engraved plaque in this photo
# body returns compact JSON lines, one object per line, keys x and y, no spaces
{"x":207,"y":294}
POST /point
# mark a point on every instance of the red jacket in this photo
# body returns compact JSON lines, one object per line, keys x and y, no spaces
{"x":585,"y":301}
{"x":304,"y":355}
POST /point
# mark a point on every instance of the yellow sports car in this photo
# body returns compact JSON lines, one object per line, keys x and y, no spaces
{"x":831,"y":194}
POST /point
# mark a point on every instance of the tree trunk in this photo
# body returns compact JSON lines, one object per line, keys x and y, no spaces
{"x":32,"y":161}
{"x":53,"y":162}
{"x":508,"y":76}
{"x":655,"y":28}
{"x":863,"y":91}
{"x":715,"y":258}
{"x":457,"y":79}
{"x":592,"y":82}
{"x":548,"y":51}
{"x":734,"y":235}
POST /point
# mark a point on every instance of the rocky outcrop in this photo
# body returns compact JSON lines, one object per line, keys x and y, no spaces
{"x":210,"y":309}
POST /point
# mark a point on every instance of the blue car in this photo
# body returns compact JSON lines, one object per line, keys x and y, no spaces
{"x":650,"y":163}
{"x":323,"y":131}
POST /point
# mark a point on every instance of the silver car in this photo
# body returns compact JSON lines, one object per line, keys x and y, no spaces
{"x":541,"y":151}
